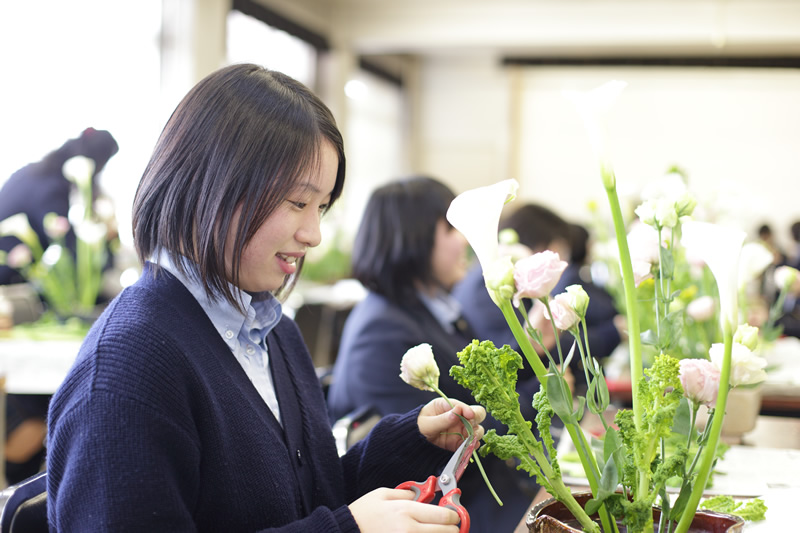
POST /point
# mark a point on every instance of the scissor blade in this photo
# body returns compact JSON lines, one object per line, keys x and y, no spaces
{"x":458,"y":463}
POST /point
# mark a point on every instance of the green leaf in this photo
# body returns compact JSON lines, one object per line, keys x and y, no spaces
{"x":649,"y":337}
{"x":610,"y":477}
{"x":592,"y":506}
{"x":680,"y":503}
{"x":560,"y":397}
{"x":682,"y":421}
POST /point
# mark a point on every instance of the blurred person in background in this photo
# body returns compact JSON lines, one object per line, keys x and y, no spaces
{"x":409,"y":257}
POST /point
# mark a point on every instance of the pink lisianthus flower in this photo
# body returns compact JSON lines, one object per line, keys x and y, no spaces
{"x":537,"y":275}
{"x":700,"y":381}
{"x":561,"y":312}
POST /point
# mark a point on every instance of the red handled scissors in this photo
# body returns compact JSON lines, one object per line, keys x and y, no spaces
{"x":446,"y":483}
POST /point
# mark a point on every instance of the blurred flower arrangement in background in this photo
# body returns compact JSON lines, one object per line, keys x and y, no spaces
{"x":68,"y":283}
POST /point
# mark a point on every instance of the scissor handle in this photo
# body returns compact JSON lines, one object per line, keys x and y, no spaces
{"x":452,"y":500}
{"x":423,"y":492}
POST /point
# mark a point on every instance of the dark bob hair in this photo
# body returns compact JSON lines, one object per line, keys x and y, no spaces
{"x":240,"y":138}
{"x":394,"y":243}
{"x":536,"y":225}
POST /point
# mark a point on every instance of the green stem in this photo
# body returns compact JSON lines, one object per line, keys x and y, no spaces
{"x":523,"y":340}
{"x":716,"y":428}
{"x":474,"y":452}
{"x":634,"y":340}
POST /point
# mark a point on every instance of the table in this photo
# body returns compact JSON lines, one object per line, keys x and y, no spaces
{"x":780,"y":393}
{"x":769,"y":460}
{"x":36,"y":366}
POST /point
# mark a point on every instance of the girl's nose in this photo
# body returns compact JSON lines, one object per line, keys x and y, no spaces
{"x":309,"y":232}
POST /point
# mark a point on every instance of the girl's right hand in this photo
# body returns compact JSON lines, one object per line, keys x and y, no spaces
{"x":394,"y":511}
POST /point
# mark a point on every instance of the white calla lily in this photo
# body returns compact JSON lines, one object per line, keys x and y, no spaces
{"x":476,"y":214}
{"x":753,"y":262}
{"x":720,"y":248}
{"x":593,"y":107}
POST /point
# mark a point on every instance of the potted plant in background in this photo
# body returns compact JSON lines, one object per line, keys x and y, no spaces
{"x":69,"y":284}
{"x":655,"y":441}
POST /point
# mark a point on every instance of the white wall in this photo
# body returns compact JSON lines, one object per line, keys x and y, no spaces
{"x":734,"y":131}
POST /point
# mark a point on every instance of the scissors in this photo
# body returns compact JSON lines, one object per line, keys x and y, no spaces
{"x":446,"y":483}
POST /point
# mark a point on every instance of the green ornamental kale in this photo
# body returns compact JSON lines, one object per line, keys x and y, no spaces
{"x":753,"y":510}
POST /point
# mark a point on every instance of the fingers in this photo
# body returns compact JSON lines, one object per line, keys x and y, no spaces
{"x":390,"y":510}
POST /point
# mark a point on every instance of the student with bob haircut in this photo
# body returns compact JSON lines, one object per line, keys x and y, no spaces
{"x":409,"y":257}
{"x":193,"y":404}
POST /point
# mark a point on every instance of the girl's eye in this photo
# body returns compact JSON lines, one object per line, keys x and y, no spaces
{"x":324,"y":207}
{"x":299,"y":205}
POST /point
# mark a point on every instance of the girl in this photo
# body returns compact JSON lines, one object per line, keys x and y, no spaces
{"x":193,"y":403}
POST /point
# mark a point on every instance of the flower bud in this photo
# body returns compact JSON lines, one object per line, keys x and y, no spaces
{"x":785,"y":277}
{"x":561,"y":312}
{"x":19,"y":256}
{"x":418,"y":368}
{"x":578,"y":299}
{"x":700,"y":381}
{"x":55,"y":226}
{"x":499,"y":279}
{"x":508,"y":236}
{"x":746,"y":335}
{"x":684,"y":206}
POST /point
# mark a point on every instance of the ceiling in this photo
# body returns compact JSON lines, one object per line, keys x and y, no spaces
{"x":550,"y":28}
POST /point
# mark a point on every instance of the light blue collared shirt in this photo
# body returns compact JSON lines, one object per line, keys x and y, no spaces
{"x":245,"y":335}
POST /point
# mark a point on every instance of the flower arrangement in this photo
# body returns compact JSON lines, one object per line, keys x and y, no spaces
{"x":68,"y":283}
{"x":655,"y":441}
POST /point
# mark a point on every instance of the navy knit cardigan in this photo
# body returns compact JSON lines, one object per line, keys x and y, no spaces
{"x":157,"y":428}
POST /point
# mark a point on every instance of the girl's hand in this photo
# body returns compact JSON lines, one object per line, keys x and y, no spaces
{"x":394,"y":511}
{"x":440,"y":424}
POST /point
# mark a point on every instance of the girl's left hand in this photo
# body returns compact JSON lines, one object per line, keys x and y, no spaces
{"x":440,"y":424}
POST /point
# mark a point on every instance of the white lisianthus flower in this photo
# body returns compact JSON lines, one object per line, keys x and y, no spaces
{"x":747,"y":368}
{"x":647,"y":212}
{"x":578,"y":299}
{"x":418,"y":368}
{"x":666,"y":216}
{"x":746,"y":335}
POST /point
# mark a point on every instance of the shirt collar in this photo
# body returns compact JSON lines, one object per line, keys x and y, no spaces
{"x":263,"y":310}
{"x":443,"y":306}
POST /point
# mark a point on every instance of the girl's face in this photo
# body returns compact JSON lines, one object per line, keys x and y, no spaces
{"x":289,"y":231}
{"x":449,"y":257}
